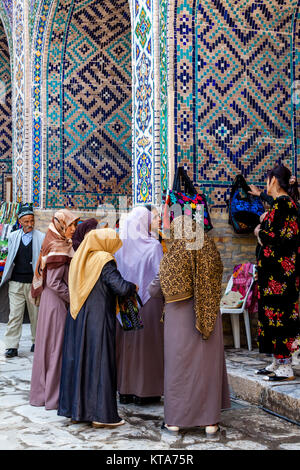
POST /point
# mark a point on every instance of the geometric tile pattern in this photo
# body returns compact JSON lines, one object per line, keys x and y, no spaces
{"x":163,"y":37}
{"x":296,"y":87}
{"x":143,"y":102}
{"x":89,"y":104}
{"x":38,"y":41}
{"x":5,"y":113}
{"x":21,"y":186}
{"x":234,"y":69}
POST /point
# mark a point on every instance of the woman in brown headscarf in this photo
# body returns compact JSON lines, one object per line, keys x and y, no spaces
{"x":50,"y":285}
{"x":195,"y":379}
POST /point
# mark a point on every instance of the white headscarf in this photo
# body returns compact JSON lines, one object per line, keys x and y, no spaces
{"x":139,"y":258}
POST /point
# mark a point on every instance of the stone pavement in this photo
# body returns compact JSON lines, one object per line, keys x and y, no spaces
{"x":246,"y":426}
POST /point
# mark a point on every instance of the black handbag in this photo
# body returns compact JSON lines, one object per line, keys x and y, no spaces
{"x":244,"y":209}
{"x":129,"y":312}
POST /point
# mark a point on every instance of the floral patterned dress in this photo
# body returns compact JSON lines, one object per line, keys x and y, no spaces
{"x":278,"y":280}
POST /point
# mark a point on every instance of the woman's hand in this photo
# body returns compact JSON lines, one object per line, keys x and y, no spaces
{"x":256,"y":233}
{"x":255,"y":191}
{"x":263,"y":216}
{"x":256,"y":230}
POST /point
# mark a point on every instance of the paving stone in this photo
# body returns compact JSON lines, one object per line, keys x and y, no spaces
{"x":244,"y":426}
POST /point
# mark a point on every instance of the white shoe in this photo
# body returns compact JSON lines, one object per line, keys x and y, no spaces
{"x":212,"y":431}
{"x":272,"y":367}
{"x":282,"y":373}
{"x":268,"y":369}
{"x":170,"y":428}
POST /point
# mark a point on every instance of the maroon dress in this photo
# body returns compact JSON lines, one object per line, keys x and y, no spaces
{"x":47,"y":359}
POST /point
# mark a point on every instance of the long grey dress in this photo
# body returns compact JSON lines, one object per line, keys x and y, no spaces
{"x":89,"y":379}
{"x":195,"y":379}
{"x":140,"y":354}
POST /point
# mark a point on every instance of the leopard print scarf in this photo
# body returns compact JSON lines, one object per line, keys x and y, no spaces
{"x":186,"y":273}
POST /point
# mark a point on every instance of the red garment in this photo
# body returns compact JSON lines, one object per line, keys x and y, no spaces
{"x":242,"y":278}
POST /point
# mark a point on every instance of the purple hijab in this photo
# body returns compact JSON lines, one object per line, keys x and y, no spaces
{"x":82,"y":229}
{"x":139,"y":258}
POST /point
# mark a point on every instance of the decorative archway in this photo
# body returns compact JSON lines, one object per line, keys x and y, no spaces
{"x":72,"y":164}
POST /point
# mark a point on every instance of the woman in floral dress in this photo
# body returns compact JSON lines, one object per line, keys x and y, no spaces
{"x":278,"y":277}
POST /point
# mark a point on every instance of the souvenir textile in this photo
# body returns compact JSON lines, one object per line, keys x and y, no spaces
{"x":129,"y":312}
{"x":187,"y":199}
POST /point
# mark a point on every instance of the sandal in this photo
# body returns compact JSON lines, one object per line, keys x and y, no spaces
{"x":263,"y":372}
{"x":279,"y":378}
{"x":96,"y":424}
{"x":170,"y":429}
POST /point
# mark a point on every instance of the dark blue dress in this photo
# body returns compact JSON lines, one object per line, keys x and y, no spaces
{"x":88,"y":379}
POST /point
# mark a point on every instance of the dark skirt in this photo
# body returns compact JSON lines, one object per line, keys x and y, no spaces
{"x":89,"y":380}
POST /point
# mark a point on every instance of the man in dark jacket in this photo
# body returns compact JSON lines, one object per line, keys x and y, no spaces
{"x":24,"y":247}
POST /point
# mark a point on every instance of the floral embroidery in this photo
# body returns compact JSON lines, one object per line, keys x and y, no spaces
{"x":274,"y":317}
{"x":270,"y":215}
{"x":290,"y":228}
{"x":260,"y":330}
{"x":288,"y":264}
{"x":291,"y":344}
{"x":274,"y":287}
{"x":295,"y":312}
{"x":268,"y":252}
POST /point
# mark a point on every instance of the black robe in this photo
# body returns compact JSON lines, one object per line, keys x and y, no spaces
{"x":89,"y":380}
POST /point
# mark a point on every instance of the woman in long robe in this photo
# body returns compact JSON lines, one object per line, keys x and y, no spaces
{"x":50,"y":283}
{"x":278,"y":277}
{"x":140,"y":353}
{"x":89,"y":379}
{"x":195,"y":380}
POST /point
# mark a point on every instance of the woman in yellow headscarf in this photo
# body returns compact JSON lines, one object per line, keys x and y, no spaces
{"x":88,"y":380}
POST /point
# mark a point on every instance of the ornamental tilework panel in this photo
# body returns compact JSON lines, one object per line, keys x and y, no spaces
{"x":21,"y":188}
{"x":163,"y":35}
{"x":296,"y":84}
{"x":89,"y":104}
{"x":5,"y":113}
{"x":235,"y":63}
{"x":143,"y":105}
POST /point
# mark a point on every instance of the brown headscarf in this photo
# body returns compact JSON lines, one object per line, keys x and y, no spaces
{"x":186,"y":273}
{"x":56,"y":249}
{"x":97,"y":249}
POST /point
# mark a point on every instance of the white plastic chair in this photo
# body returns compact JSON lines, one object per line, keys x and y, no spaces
{"x":234,"y":316}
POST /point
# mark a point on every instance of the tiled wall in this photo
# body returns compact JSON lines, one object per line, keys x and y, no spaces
{"x":5,"y":114}
{"x":234,"y":69}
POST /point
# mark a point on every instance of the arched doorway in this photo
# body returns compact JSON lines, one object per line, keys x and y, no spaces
{"x":88,"y":145}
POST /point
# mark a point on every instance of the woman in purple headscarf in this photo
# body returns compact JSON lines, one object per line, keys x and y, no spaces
{"x":140,"y":353}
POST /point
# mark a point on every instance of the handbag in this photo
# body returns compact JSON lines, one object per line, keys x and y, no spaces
{"x":244,"y":209}
{"x":187,"y":199}
{"x":129,"y":312}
